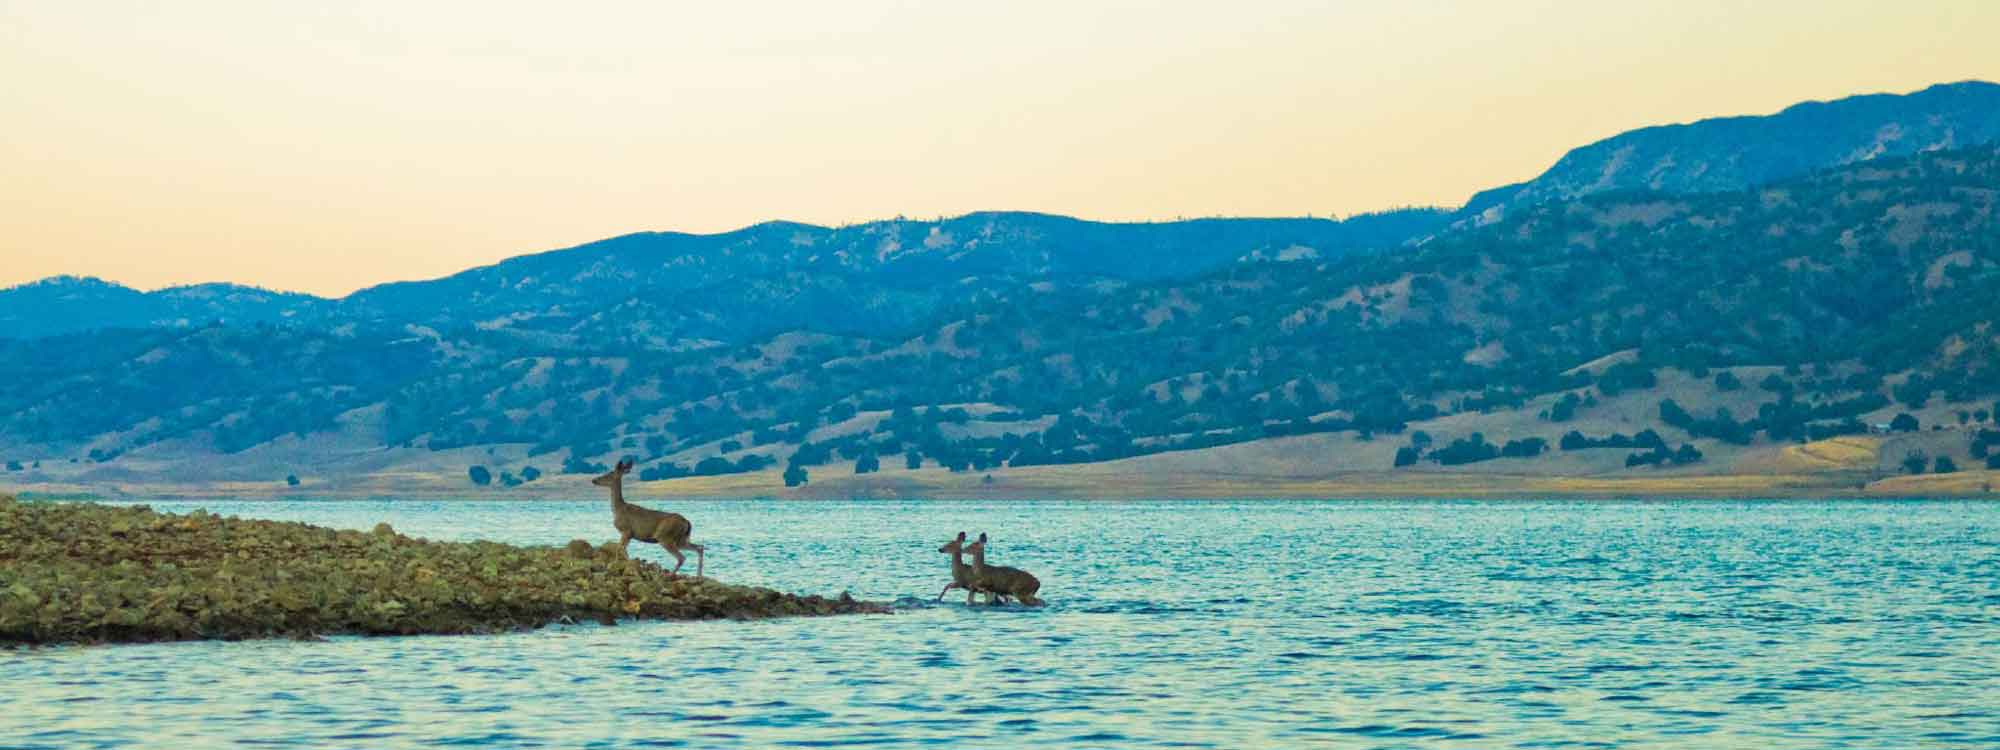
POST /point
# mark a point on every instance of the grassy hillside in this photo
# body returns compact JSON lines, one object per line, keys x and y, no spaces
{"x":1736,"y":324}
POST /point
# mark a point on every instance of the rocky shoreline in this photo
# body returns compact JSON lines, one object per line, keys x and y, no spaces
{"x":86,"y":573}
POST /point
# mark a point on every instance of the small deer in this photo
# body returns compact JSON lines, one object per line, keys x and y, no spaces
{"x":669,"y":530}
{"x":961,"y":573}
{"x":1002,"y":580}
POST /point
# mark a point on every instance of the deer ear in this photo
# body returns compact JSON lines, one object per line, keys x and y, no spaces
{"x":961,"y":536}
{"x":982,"y":536}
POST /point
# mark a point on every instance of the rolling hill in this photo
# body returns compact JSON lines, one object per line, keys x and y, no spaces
{"x":1763,"y":339}
{"x":1733,"y":153}
{"x":674,"y":290}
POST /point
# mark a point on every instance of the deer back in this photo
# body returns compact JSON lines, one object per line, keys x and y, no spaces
{"x":652,"y":525}
{"x":1008,"y":580}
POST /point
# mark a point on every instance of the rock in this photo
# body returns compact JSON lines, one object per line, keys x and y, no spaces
{"x":67,"y":578}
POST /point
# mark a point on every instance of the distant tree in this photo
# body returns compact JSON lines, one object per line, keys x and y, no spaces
{"x":840,"y":412}
{"x":1687,"y":454}
{"x":712,"y":466}
{"x":662,"y":470}
{"x":1420,"y":440}
{"x":1727,"y":381}
{"x":1672,"y":414}
{"x":1993,"y":461}
{"x":507,"y":479}
{"x":1524,"y":448}
{"x":1945,"y":465}
{"x":1573,"y":440}
{"x":1465,"y":450}
{"x":913,"y":460}
{"x":13,"y":466}
{"x":1964,"y":416}
{"x":530,"y":473}
{"x":1904,"y":423}
{"x":480,"y":476}
{"x":812,"y":454}
{"x":1979,"y":416}
{"x":656,"y":445}
{"x":731,"y":446}
{"x":795,"y":475}
{"x":1914,"y":392}
{"x":1915,"y":461}
{"x":1565,"y":408}
{"x":291,"y":480}
{"x":1775,"y":384}
{"x":867,"y":464}
{"x":1626,"y":376}
{"x":1983,"y":441}
{"x":1406,"y":456}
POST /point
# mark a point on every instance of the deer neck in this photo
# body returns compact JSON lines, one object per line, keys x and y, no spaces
{"x":979,"y":562}
{"x":617,"y":496}
{"x":958,"y":560}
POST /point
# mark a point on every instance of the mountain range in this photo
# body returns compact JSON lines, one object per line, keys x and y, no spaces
{"x":756,"y":280}
{"x":1733,"y":153}
{"x":1743,"y":296}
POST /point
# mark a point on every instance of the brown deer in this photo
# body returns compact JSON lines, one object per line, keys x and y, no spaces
{"x":669,"y":530}
{"x":961,"y":573}
{"x":1002,"y":580}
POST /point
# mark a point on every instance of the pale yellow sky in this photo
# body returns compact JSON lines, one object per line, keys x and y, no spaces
{"x":327,"y":148}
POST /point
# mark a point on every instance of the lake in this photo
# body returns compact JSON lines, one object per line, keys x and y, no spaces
{"x":1169,"y":624}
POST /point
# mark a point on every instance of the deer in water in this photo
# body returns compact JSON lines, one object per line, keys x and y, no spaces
{"x":961,"y":573}
{"x":669,"y":530}
{"x":1000,"y":580}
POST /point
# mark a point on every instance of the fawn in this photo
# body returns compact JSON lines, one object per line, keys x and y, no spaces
{"x":1002,"y":580}
{"x":961,"y":573}
{"x":669,"y":530}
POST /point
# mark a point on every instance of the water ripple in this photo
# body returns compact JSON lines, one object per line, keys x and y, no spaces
{"x":1218,"y":625}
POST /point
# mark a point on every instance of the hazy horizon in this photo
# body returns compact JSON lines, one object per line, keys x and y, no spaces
{"x":328,"y":149}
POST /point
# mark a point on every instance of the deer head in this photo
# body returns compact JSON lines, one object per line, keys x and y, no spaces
{"x":954,"y":545}
{"x":614,"y":477}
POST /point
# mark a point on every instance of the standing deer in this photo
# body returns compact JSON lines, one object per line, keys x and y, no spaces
{"x":961,"y":573}
{"x":1002,"y":580}
{"x":669,"y":530}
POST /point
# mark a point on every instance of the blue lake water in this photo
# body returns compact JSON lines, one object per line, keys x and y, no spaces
{"x":1170,"y":624}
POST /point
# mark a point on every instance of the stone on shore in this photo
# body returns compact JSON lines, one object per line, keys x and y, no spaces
{"x":77,"y":572}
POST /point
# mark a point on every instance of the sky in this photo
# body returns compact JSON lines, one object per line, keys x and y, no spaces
{"x":324,"y":147}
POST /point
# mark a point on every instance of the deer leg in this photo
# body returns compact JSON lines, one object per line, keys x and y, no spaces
{"x":969,"y":593}
{"x":947,"y":587}
{"x":700,"y":557}
{"x":679,"y":559}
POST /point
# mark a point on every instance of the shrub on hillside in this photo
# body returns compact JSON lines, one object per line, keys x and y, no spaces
{"x":1915,"y":461}
{"x":1406,"y":456}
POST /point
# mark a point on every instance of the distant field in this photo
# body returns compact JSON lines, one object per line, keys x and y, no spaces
{"x":1317,"y":465}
